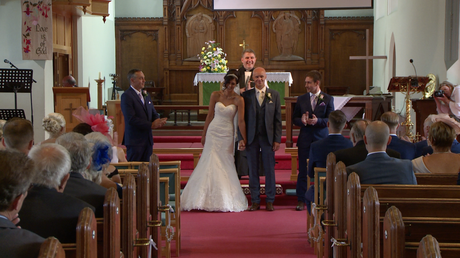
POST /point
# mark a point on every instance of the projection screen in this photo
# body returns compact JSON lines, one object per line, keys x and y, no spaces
{"x":290,"y":4}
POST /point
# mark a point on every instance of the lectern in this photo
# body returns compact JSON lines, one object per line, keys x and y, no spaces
{"x":408,"y":85}
{"x":67,"y":99}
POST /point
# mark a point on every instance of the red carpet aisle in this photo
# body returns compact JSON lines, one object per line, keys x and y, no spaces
{"x":280,"y":233}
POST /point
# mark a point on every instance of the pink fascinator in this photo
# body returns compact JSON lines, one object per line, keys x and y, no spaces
{"x":97,"y":121}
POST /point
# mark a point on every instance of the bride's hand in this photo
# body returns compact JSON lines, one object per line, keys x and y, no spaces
{"x":241,"y":145}
{"x":203,"y":139}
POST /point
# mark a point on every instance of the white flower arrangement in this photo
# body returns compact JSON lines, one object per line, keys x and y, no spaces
{"x":212,"y":58}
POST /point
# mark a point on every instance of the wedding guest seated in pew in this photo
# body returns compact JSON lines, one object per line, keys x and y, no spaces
{"x":405,"y":148}
{"x":18,"y":134}
{"x":440,"y":138}
{"x":358,"y":152}
{"x":16,"y":174}
{"x":378,"y":167}
{"x":54,"y":124}
{"x":47,"y":210}
{"x":101,"y":156}
{"x":319,"y":149}
{"x":118,"y":153}
{"x":79,"y":184}
{"x":422,"y":147}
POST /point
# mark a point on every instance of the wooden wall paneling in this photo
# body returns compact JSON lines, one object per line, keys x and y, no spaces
{"x":140,"y":44}
{"x":347,"y":37}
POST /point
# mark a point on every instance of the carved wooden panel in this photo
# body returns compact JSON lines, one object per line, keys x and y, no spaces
{"x":140,"y":44}
{"x":344,"y":39}
{"x":295,"y":41}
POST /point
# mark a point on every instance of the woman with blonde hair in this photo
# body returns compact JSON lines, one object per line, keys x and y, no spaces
{"x":440,"y":138}
{"x":54,"y":124}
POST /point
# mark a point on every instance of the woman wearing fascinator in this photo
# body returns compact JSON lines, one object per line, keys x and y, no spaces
{"x":214,"y":184}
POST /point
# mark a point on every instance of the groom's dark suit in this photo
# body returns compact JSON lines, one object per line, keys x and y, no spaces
{"x":138,"y":137}
{"x":263,"y":128}
{"x":309,"y":133}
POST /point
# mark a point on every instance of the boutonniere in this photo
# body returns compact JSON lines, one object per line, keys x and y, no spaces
{"x":144,"y":93}
{"x":268,"y":95}
{"x":320,"y":99}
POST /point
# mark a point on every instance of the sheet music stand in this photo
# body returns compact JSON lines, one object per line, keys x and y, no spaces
{"x":408,"y":85}
{"x":17,"y":80}
{"x":7,"y":114}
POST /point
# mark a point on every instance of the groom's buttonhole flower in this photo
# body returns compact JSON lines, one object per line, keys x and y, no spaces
{"x":320,"y":98}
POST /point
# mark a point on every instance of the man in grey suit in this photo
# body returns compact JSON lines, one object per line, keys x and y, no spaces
{"x":16,"y":174}
{"x":378,"y":167}
{"x":262,"y":114}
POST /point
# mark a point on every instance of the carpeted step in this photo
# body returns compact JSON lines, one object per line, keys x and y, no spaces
{"x":193,"y":139}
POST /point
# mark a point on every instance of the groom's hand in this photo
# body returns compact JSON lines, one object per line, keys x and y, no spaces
{"x":304,"y":118}
{"x":276,"y":146}
{"x":241,"y":145}
{"x":313,"y":120}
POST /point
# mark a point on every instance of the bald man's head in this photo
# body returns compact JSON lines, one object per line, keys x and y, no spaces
{"x":377,"y":136}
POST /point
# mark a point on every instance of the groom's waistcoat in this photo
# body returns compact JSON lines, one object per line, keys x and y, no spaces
{"x":260,"y":119}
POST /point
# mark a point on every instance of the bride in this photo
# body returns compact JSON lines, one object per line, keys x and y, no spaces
{"x":214,"y":184}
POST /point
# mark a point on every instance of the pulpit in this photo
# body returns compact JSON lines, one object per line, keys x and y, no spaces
{"x":209,"y":82}
{"x":67,"y":99}
{"x":422,"y":108}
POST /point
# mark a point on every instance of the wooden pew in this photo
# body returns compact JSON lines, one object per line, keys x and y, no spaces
{"x":393,"y":233}
{"x":86,"y":245}
{"x":438,"y":216}
{"x":129,"y":226}
{"x":51,"y":248}
{"x":428,"y":248}
{"x":436,"y":179}
{"x":294,"y":155}
{"x":156,"y":207}
{"x":111,"y":225}
{"x":173,"y":173}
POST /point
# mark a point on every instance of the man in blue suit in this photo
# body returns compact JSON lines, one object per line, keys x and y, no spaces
{"x":16,"y":174}
{"x":378,"y":167}
{"x":140,"y":118}
{"x":262,"y":115}
{"x":311,"y":114}
{"x":321,"y":148}
{"x":405,"y":148}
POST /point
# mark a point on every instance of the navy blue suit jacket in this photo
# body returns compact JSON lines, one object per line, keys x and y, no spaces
{"x":358,"y":153}
{"x":138,"y":120}
{"x":405,"y":148}
{"x":87,"y":191}
{"x":321,"y":148}
{"x":379,"y":168}
{"x":311,"y":133}
{"x":17,"y":242}
{"x":47,"y":212}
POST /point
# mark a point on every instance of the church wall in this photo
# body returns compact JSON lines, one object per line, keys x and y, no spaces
{"x":10,"y":40}
{"x":97,"y":53}
{"x":418,"y":30}
{"x":139,"y":8}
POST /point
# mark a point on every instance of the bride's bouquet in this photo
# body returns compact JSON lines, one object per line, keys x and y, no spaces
{"x":212,"y":58}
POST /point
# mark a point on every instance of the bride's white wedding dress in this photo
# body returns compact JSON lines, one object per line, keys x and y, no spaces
{"x":214,"y":184}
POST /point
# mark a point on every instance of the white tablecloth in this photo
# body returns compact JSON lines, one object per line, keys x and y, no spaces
{"x":219,"y":77}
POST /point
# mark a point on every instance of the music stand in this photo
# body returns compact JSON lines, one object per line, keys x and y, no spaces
{"x":408,"y":85}
{"x":17,"y":80}
{"x":7,"y":114}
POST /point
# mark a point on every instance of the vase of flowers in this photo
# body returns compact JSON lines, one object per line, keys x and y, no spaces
{"x":212,"y":58}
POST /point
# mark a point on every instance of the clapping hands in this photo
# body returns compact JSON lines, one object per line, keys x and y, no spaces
{"x":309,"y":121}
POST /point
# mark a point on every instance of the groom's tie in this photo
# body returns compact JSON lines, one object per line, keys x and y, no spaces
{"x":313,"y":101}
{"x":261,"y":97}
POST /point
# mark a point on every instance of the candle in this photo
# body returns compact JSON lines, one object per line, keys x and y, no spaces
{"x":99,"y":75}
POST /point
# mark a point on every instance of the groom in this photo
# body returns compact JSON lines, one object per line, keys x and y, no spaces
{"x":262,"y":114}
